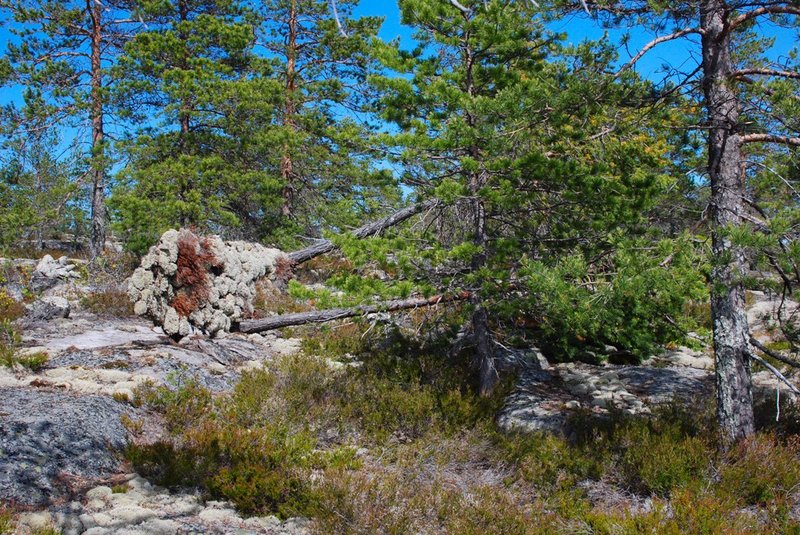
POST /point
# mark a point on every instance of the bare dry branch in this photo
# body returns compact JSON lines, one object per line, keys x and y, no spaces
{"x":775,"y":372}
{"x":766,"y":72}
{"x":765,"y":10}
{"x":655,"y":42}
{"x":770,"y":138}
{"x":774,"y":354}
{"x":322,"y":316}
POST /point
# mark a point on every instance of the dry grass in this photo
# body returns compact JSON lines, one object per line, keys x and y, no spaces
{"x":110,"y":302}
{"x":432,"y":461}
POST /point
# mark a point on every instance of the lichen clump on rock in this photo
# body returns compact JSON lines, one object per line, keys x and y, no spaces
{"x":186,"y":283}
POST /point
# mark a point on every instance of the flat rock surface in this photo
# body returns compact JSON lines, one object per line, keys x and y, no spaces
{"x":544,"y":400}
{"x":61,"y":432}
{"x":52,"y":442}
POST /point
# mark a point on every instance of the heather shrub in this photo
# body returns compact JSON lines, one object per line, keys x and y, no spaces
{"x":109,"y":302}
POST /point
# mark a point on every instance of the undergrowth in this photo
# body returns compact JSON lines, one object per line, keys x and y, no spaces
{"x":109,"y":302}
{"x":9,"y":349}
{"x":393,"y":439}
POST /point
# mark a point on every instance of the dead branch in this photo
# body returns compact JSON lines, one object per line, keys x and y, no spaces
{"x":323,"y":316}
{"x":652,"y":44}
{"x":770,"y":138}
{"x":765,"y":10}
{"x":370,"y":229}
{"x":774,"y":354}
{"x":765,"y":72}
{"x":775,"y":372}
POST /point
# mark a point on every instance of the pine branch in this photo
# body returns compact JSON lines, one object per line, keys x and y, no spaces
{"x":774,"y":354}
{"x":775,"y":372}
{"x":323,"y":316}
{"x":765,"y":10}
{"x":766,"y":72}
{"x":652,"y":44}
{"x":770,"y":138}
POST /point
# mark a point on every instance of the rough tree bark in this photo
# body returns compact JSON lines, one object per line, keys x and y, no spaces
{"x":287,"y":165}
{"x":98,"y":216}
{"x":730,"y":330}
{"x":484,"y":345}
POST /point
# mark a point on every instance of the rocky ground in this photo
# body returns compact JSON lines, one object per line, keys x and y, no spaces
{"x":61,"y":427}
{"x":61,"y":430}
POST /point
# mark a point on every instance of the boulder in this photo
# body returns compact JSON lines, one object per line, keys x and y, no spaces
{"x":48,"y":308}
{"x":50,"y":272}
{"x":54,"y":441}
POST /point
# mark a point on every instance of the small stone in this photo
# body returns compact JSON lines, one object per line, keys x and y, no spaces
{"x":131,"y":514}
{"x":157,"y":526}
{"x":99,"y":492}
{"x":219,"y":515}
{"x":101,"y":519}
{"x":36,"y":521}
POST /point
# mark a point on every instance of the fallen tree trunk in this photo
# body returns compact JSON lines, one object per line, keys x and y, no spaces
{"x":188,"y":283}
{"x":365,"y":231}
{"x":322,"y":316}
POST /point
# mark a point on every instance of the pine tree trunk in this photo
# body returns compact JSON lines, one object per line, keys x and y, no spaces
{"x":287,"y":165}
{"x":184,"y":113}
{"x":484,"y":344}
{"x":98,"y":236}
{"x":734,"y":385}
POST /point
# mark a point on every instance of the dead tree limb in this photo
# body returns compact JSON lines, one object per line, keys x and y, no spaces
{"x":188,"y":283}
{"x":322,"y":316}
{"x":775,"y":372}
{"x":774,"y":354}
{"x":370,"y":229}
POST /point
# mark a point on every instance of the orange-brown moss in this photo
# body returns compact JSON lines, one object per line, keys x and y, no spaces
{"x":195,"y":260}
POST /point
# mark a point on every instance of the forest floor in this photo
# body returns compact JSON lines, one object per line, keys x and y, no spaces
{"x":109,"y":427}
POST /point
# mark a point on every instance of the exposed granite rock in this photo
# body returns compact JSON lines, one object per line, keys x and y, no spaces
{"x":52,"y":442}
{"x":50,"y":272}
{"x":48,"y":308}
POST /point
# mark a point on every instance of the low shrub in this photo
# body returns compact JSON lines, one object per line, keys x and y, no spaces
{"x":763,"y":471}
{"x":109,"y":302}
{"x":9,"y":346}
{"x":431,"y":460}
{"x":550,"y":462}
{"x":10,"y":308}
{"x":6,"y":521}
{"x":657,"y":458}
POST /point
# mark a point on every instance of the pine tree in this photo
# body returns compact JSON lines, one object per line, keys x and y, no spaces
{"x":325,"y":166}
{"x":496,"y":122}
{"x":734,"y":122}
{"x":38,"y":192}
{"x":63,"y":52}
{"x":182,"y":77}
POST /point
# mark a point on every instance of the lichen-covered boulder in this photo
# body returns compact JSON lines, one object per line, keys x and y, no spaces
{"x":48,"y":308}
{"x":50,"y":272}
{"x":187,"y":283}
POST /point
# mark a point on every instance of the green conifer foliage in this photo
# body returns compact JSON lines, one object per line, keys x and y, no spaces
{"x":326,"y":167}
{"x":548,"y":173}
{"x":60,"y":53}
{"x":185,"y":82}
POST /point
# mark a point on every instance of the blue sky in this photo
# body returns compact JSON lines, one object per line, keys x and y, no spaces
{"x":577,"y":27}
{"x":681,"y":54}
